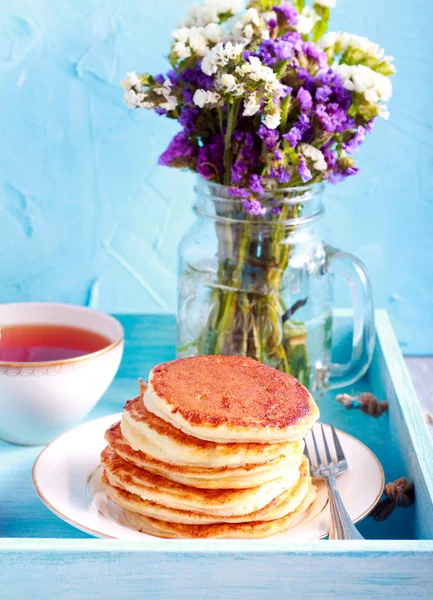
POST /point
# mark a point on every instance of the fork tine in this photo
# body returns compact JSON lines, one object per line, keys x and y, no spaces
{"x":338,"y":448}
{"x":325,"y":443}
{"x":319,"y":460}
{"x":306,"y":452}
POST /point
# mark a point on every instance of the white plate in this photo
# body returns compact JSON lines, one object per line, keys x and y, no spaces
{"x":66,"y":478}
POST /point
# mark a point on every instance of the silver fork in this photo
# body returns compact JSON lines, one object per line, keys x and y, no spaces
{"x":342,"y":527}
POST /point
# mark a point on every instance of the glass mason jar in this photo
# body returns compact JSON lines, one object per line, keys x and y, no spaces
{"x":262,"y":286}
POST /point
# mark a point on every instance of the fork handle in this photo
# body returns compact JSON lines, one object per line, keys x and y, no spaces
{"x":342,"y":527}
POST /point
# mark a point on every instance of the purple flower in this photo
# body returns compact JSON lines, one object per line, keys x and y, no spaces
{"x":283,"y":50}
{"x":330,"y":156}
{"x":304,"y":98}
{"x":188,"y":118}
{"x":295,"y":38}
{"x":248,"y":155}
{"x":266,"y":53}
{"x":313,"y":51}
{"x":253,"y":207}
{"x":276,"y":209}
{"x":159,"y":79}
{"x":304,"y":171}
{"x":323,"y":93}
{"x":340,"y":175}
{"x":352,"y":171}
{"x":255,"y":183}
{"x":332,"y":117}
{"x":188,"y":95}
{"x":239,"y":170}
{"x":352,"y":146}
{"x":288,"y":12}
{"x":278,"y":154}
{"x":210,"y":158}
{"x":298,"y":130}
{"x":239,"y":192}
{"x":180,"y":150}
{"x":309,"y":81}
{"x":283,"y":175}
{"x":294,"y":136}
{"x":173,"y":77}
{"x":369,"y":126}
{"x":204,"y":81}
{"x":204,"y":165}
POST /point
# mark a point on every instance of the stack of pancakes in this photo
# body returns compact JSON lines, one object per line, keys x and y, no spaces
{"x":212,"y":447}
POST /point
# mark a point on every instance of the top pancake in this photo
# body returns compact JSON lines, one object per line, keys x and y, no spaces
{"x":230,"y":399}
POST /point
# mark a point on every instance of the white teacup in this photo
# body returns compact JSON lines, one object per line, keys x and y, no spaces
{"x":40,"y":400}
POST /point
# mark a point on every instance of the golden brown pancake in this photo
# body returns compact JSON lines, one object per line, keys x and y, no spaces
{"x":229,"y":399}
{"x":200,"y":477}
{"x":146,"y":432}
{"x":157,"y":489}
{"x":255,"y":529}
{"x":280,"y":506}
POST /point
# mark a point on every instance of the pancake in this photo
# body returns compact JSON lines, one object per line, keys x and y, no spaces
{"x":256,"y":529}
{"x":212,"y":478}
{"x":146,"y":432}
{"x":280,"y":506}
{"x":229,"y":399}
{"x":159,"y":490}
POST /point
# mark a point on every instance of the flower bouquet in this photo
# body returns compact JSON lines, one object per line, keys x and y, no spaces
{"x":268,"y":103}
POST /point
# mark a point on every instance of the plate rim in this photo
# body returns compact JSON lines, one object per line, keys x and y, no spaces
{"x":101,"y":535}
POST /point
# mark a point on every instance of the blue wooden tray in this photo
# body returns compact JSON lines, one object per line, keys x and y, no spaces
{"x":42,"y":557}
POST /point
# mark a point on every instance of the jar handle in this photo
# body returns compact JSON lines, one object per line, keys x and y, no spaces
{"x":356,"y":275}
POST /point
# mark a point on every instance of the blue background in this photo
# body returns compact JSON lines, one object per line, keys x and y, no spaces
{"x":86,"y":216}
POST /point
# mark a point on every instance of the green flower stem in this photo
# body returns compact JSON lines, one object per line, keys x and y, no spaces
{"x":280,"y":67}
{"x":247,"y":318}
{"x":285,"y":106}
{"x":231,"y":122}
{"x":220,"y":119}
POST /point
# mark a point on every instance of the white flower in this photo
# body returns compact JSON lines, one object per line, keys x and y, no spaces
{"x":359,"y":42}
{"x":272,"y":120}
{"x":316,"y":156}
{"x":356,"y":42}
{"x":252,"y":16}
{"x":219,"y":56}
{"x":306,"y":20}
{"x":244,"y":27}
{"x":205,"y":97}
{"x":165,"y":91}
{"x":170,"y":104}
{"x":131,"y":82}
{"x":198,"y":41}
{"x":181,"y":50}
{"x":326,"y":3}
{"x":208,"y":12}
{"x":257,"y":71}
{"x":181,"y":35}
{"x":195,"y":40}
{"x":329,"y":39}
{"x":230,"y":84}
{"x":252,"y":106}
{"x":133,"y":100}
{"x":214,"y":33}
{"x":359,"y":78}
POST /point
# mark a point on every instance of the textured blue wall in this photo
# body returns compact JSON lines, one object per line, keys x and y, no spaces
{"x":87,"y":217}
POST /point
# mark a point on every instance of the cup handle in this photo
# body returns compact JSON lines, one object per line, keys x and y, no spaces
{"x":356,"y":275}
